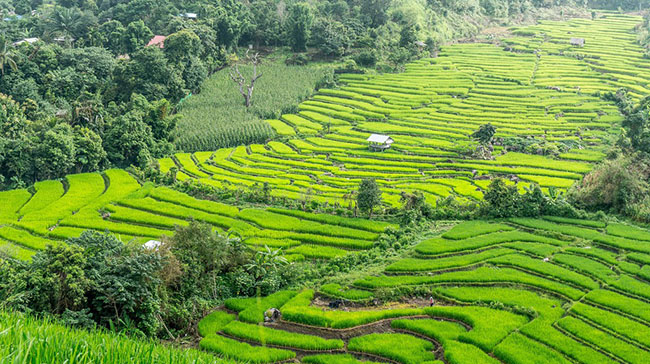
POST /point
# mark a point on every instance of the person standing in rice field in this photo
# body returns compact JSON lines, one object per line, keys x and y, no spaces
{"x":430,"y":301}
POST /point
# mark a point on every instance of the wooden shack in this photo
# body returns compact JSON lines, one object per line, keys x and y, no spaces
{"x":578,"y":42}
{"x":379,"y":142}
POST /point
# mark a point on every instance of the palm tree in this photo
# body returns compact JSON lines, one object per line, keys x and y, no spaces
{"x":7,"y":57}
{"x":67,"y":23}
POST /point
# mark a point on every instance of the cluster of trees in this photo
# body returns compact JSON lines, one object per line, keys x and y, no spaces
{"x":620,"y":184}
{"x":501,"y":200}
{"x":90,"y":138}
{"x":96,"y":280}
{"x":87,"y":95}
{"x":629,"y":5}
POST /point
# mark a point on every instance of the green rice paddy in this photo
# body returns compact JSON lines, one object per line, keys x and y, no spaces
{"x":532,"y":85}
{"x":523,"y":291}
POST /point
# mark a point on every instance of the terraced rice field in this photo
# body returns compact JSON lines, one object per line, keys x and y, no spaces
{"x":518,"y":291}
{"x":533,"y":85}
{"x":53,"y":211}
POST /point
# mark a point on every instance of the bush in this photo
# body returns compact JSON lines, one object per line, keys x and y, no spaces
{"x":502,"y":200}
{"x":617,"y":185}
{"x":94,"y":276}
{"x":367,"y":58}
{"x":298,"y":59}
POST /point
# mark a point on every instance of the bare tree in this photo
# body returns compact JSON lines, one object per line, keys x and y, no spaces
{"x":245,"y":89}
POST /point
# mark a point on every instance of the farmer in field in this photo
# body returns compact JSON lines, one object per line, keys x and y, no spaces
{"x":431,"y":303}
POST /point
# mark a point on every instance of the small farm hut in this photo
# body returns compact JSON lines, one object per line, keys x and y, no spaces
{"x":578,"y":42}
{"x":152,"y":245}
{"x":26,"y":40}
{"x":191,"y":16}
{"x":379,"y":142}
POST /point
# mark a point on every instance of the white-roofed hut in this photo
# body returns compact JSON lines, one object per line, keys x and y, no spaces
{"x":379,"y":142}
{"x":577,"y":42}
{"x":26,"y":40}
{"x":152,"y":245}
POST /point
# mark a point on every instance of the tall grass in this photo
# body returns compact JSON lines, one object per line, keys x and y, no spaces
{"x":217,"y":117}
{"x":24,"y":339}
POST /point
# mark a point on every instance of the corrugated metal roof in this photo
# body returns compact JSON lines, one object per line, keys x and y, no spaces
{"x":152,"y":244}
{"x":577,"y":41}
{"x":379,"y":138}
{"x":26,"y":40}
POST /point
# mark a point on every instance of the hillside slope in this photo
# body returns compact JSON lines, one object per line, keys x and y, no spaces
{"x":115,"y":202}
{"x":547,"y":290}
{"x":538,"y":90}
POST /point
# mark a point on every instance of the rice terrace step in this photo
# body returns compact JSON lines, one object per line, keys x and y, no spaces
{"x":507,"y":292}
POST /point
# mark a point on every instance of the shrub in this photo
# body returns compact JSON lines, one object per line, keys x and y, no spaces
{"x":366,"y":58}
{"x":615,"y":185}
{"x":503,"y":200}
{"x":298,"y":59}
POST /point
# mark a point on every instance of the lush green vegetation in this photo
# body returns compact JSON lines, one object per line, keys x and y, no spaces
{"x":114,"y":201}
{"x":498,"y":307}
{"x":335,"y":290}
{"x":403,"y":348}
{"x":98,"y":89}
{"x":511,"y":136}
{"x":217,"y":117}
{"x":333,"y":359}
{"x":269,"y":336}
{"x":243,"y":352}
{"x":29,"y":340}
{"x":551,"y":117}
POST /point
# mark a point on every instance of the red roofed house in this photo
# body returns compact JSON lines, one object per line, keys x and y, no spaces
{"x":157,"y":40}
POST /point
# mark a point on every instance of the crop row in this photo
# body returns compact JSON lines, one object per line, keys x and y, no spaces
{"x":265,"y":335}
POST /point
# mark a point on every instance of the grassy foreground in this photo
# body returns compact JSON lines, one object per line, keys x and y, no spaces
{"x":24,"y":339}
